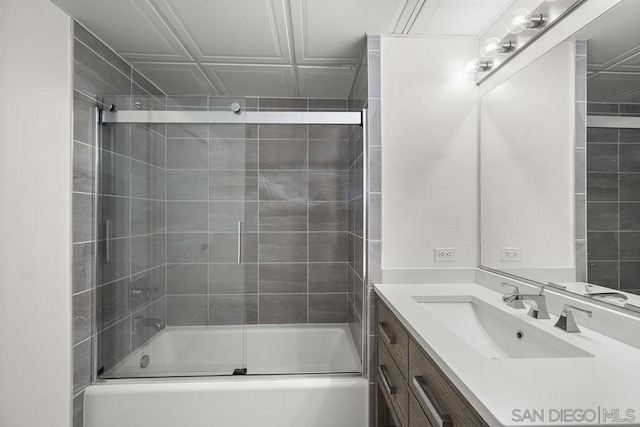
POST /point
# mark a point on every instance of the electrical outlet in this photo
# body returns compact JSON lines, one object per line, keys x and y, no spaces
{"x":444,"y":254}
{"x":510,"y":254}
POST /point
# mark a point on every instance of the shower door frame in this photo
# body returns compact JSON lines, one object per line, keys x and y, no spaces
{"x":107,"y":114}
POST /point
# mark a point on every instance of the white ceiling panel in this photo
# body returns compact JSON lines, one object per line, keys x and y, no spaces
{"x":177,"y":78}
{"x":130,"y":27}
{"x":457,"y":17}
{"x":612,"y":87}
{"x":255,"y":80}
{"x":246,"y":31}
{"x":332,"y":31}
{"x":325,"y":82}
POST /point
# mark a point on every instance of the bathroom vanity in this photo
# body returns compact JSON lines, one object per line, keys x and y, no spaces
{"x":458,"y":355}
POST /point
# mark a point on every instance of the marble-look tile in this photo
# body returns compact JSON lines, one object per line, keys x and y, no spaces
{"x":328,"y":247}
{"x":581,"y":181}
{"x":329,"y":132}
{"x":92,"y":74}
{"x":328,"y":277}
{"x":186,"y":310}
{"x":83,"y":167}
{"x":233,"y":309}
{"x":603,"y":187}
{"x":148,"y":146}
{"x":81,"y":366}
{"x":602,"y":216}
{"x":630,"y":136}
{"x":83,"y":266}
{"x":233,"y":278}
{"x":581,"y":216}
{"x":182,"y":130}
{"x":328,"y":308}
{"x":602,"y":135}
{"x":187,"y":216}
{"x":602,"y":246}
{"x":232,"y":185}
{"x":630,"y":275}
{"x":92,"y":42}
{"x":603,"y":273}
{"x":283,"y":216}
{"x":227,"y":131}
{"x":233,"y":154}
{"x":629,"y":157}
{"x":223,"y":247}
{"x":82,"y":217}
{"x":629,"y":216}
{"x":282,"y":104}
{"x":602,"y":109}
{"x":630,"y":246}
{"x":113,"y":302}
{"x":149,"y":251}
{"x":285,"y":186}
{"x":147,"y":181}
{"x":147,"y":216}
{"x":116,"y":264}
{"x":283,"y":247}
{"x":187,"y":279}
{"x":78,"y":410}
{"x":328,"y":216}
{"x":82,"y":304}
{"x":328,"y":186}
{"x":187,"y":248}
{"x":282,"y":308}
{"x":187,"y":185}
{"x":328,"y":155}
{"x":603,"y":158}
{"x":629,"y":187}
{"x":224,"y":216}
{"x":187,"y":153}
{"x":629,"y":110}
{"x":283,"y":278}
{"x":327,"y":104}
{"x":283,"y":154}
{"x":118,"y":211}
{"x":153,"y":282}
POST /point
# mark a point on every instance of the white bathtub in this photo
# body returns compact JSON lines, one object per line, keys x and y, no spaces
{"x":236,"y":401}
{"x":265,"y":349}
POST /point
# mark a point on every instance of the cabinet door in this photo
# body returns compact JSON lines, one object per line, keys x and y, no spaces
{"x":440,"y":400}
{"x":392,"y":383}
{"x":417,"y":418}
{"x":394,"y":336}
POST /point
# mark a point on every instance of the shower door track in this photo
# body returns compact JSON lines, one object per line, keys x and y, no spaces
{"x":229,"y":117}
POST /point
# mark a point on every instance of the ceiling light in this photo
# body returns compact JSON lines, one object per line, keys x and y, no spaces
{"x":522,"y":19}
{"x":493,"y":46}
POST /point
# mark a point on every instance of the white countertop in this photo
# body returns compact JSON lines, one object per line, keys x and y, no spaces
{"x":497,"y":387}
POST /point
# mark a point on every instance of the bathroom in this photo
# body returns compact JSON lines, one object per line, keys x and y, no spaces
{"x":319,"y":213}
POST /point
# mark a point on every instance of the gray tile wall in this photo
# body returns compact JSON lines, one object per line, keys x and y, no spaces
{"x":292,"y":200}
{"x":613,"y":201}
{"x":135,"y":159}
{"x":580,"y":188}
{"x":365,"y":264}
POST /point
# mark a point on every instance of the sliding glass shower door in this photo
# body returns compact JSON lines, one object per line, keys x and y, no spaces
{"x":177,"y":252}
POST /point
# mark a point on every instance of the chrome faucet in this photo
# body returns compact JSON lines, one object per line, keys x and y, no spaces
{"x":566,"y":322}
{"x":538,"y":308}
{"x":515,"y":303}
{"x":604,"y":295}
{"x":142,"y":322}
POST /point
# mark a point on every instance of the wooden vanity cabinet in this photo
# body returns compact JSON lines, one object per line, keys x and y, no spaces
{"x":412,"y":390}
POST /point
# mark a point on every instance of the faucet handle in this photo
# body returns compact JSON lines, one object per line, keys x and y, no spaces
{"x":516,"y":303}
{"x":566,"y":322}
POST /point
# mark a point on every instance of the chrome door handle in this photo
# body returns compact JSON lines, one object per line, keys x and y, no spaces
{"x":239,"y":242}
{"x":442,"y":419}
{"x":382,"y":373}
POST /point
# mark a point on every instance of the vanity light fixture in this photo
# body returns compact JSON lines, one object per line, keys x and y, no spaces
{"x":493,"y":46}
{"x":482,"y":66}
{"x":522,"y":19}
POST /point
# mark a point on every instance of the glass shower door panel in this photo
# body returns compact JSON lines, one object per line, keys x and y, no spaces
{"x":171,"y":219}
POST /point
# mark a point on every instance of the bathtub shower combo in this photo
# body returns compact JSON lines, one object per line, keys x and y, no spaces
{"x":223,"y":266}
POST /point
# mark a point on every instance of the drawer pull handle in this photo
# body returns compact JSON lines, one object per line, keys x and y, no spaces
{"x":384,"y":333}
{"x":382,"y":373}
{"x":442,"y":419}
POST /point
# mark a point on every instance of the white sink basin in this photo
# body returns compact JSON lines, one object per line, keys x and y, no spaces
{"x":494,"y":333}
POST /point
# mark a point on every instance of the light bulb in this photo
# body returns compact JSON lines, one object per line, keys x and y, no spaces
{"x":490,"y":47}
{"x":519,"y":21}
{"x":477,"y":66}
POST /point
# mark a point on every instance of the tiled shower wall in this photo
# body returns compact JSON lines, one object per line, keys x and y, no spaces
{"x":613,"y":201}
{"x":98,"y":70}
{"x":293,"y":209}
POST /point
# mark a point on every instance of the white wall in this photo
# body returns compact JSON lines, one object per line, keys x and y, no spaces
{"x":429,"y":151}
{"x":35,"y":215}
{"x":527,"y":171}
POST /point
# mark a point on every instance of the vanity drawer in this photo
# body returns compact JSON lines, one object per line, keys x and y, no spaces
{"x":392,"y":383}
{"x":439,"y":398}
{"x":417,"y":418}
{"x":393,"y":335}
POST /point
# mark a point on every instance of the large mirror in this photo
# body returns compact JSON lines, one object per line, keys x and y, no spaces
{"x":560,"y":164}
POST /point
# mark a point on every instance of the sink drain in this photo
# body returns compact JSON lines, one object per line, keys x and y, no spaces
{"x":520,"y":335}
{"x":144,"y":361}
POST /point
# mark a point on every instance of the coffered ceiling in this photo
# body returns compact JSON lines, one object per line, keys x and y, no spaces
{"x":613,"y":55}
{"x":306,"y":48}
